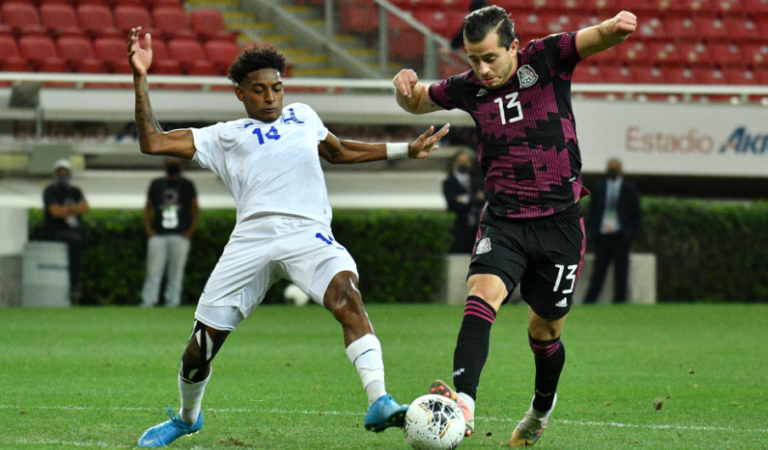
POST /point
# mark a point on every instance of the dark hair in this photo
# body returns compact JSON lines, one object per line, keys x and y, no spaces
{"x":478,"y":24}
{"x":256,"y":58}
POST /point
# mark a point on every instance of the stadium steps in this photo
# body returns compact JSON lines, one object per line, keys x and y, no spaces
{"x":304,"y":60}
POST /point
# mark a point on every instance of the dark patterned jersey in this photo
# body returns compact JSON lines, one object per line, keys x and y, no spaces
{"x":526,"y":131}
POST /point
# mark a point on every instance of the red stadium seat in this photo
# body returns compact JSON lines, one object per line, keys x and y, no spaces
{"x":649,"y":75}
{"x":633,"y":53}
{"x":167,"y":4}
{"x":406,"y":44}
{"x":710,"y":28}
{"x":78,"y":52}
{"x":10,"y":57}
{"x":756,"y":8}
{"x":60,"y":20}
{"x":617,"y":74}
{"x":575,"y":6}
{"x":162,"y":63}
{"x":638,"y":6}
{"x":684,"y":6}
{"x":54,"y":2}
{"x":5,"y":31}
{"x":742,"y":29}
{"x":435,"y":21}
{"x":740,"y":77}
{"x":664,"y":53}
{"x":191,"y":56}
{"x":694,"y":54}
{"x":728,"y":7}
{"x":652,"y":28}
{"x":755,"y":55}
{"x":91,"y":2}
{"x":97,"y":21}
{"x":680,"y":76}
{"x":112,"y":52}
{"x":221,"y":54}
{"x":725,"y":54}
{"x":132,"y":3}
{"x":680,"y":28}
{"x":712,"y":76}
{"x":23,"y":19}
{"x":209,"y":24}
{"x":41,"y":52}
{"x":127,"y":17}
{"x":172,"y":23}
{"x":604,"y":6}
{"x":359,"y":18}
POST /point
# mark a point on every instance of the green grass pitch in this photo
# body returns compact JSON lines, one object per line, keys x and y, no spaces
{"x":85,"y":378}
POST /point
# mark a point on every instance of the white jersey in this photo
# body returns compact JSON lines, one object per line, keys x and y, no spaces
{"x":269,"y":167}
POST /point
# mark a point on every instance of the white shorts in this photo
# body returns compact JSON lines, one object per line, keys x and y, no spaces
{"x":262,"y":250}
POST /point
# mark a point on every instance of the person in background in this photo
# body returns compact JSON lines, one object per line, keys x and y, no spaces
{"x":64,"y":206}
{"x":170,"y":218}
{"x":465,"y":198}
{"x":614,"y":219}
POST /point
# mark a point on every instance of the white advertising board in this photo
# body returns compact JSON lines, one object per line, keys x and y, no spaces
{"x":673,"y":139}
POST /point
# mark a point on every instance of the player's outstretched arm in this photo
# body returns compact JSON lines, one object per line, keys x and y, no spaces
{"x":605,"y":35}
{"x":336,"y":151}
{"x":152,"y":139}
{"x":411,"y":95}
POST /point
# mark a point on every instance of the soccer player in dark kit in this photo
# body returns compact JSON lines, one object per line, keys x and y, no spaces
{"x":531,"y":230}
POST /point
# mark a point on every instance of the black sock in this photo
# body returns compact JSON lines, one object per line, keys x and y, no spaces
{"x":472,"y":346}
{"x":550,"y":358}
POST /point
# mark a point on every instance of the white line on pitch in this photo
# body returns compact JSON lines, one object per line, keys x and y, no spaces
{"x":346,"y":413}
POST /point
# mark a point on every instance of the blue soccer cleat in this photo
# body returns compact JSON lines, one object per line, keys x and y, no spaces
{"x":384,"y":413}
{"x":168,"y":431}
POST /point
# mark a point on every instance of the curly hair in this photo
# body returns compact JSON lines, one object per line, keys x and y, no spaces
{"x":256,"y":58}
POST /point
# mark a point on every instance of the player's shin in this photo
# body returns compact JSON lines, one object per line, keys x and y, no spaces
{"x":472,"y":346}
{"x":365,"y":354}
{"x":550,"y":358}
{"x":196,"y":369}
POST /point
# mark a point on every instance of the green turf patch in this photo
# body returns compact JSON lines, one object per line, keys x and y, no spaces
{"x":661,"y":377}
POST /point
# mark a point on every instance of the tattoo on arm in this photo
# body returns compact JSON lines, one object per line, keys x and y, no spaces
{"x":147,"y":124}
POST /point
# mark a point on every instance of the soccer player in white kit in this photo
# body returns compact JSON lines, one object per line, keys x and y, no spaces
{"x":269,"y":162}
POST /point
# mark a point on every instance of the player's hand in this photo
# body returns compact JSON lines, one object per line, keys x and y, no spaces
{"x":423,"y":146}
{"x":140,"y":58}
{"x":623,"y":24}
{"x":404,"y":81}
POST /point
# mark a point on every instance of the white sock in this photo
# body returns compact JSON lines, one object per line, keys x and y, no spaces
{"x":191,"y":399}
{"x":468,"y":400}
{"x":365,"y":354}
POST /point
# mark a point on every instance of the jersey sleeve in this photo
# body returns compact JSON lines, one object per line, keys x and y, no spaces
{"x":446,"y":93}
{"x":322,"y":131}
{"x":208,"y":146}
{"x":562,"y":50}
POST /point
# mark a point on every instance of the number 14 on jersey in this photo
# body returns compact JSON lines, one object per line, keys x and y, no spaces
{"x":271,"y":134}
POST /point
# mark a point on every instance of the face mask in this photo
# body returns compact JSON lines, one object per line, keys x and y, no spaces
{"x":463,"y":169}
{"x":613,"y":173}
{"x":173,"y":169}
{"x":61,"y":180}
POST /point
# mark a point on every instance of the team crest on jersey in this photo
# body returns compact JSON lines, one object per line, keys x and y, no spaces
{"x":527,"y":76}
{"x":483,"y":246}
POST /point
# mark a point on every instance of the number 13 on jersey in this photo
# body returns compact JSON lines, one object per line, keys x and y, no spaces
{"x":512,"y":111}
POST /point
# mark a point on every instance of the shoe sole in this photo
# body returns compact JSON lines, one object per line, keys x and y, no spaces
{"x":440,"y":387}
{"x":396,"y":420}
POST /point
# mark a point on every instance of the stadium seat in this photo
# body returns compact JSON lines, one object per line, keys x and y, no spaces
{"x":60,"y":19}
{"x":680,"y":28}
{"x":652,"y":28}
{"x":406,"y":44}
{"x":162,"y":63}
{"x":617,"y":74}
{"x":111,"y":51}
{"x":664,"y":53}
{"x":684,"y":6}
{"x":172,"y":23}
{"x":638,"y":6}
{"x":603,"y":6}
{"x":680,"y":76}
{"x":632,"y":52}
{"x":5,"y":30}
{"x":694,"y":54}
{"x":41,"y":53}
{"x":574,"y":6}
{"x":221,"y":54}
{"x":712,"y":76}
{"x":359,"y":18}
{"x":132,"y":3}
{"x":755,"y":55}
{"x":756,"y":8}
{"x":740,"y":77}
{"x":742,"y":29}
{"x":90,"y":2}
{"x":189,"y":53}
{"x":79,"y":54}
{"x":54,"y":2}
{"x":709,"y":28}
{"x":649,"y":75}
{"x":10,"y":57}
{"x":97,"y":21}
{"x":23,"y":19}
{"x":167,"y":4}
{"x":436,"y":21}
{"x":728,"y":7}
{"x":127,"y":17}
{"x":209,"y":24}
{"x":725,"y":54}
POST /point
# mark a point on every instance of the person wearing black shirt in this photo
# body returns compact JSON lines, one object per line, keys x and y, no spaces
{"x":64,"y":205}
{"x":465,"y":198}
{"x":614,"y":219}
{"x":170,"y":219}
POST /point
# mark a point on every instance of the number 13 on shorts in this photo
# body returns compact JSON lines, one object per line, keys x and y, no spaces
{"x":566,"y":278}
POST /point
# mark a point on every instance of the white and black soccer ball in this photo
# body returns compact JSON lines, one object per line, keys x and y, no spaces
{"x":295,"y":296}
{"x":434,"y":422}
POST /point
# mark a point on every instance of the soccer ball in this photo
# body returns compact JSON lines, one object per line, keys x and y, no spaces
{"x":434,"y":422}
{"x":294,"y":294}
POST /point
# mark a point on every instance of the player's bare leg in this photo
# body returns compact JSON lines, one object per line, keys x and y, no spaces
{"x":194,"y":374}
{"x":343,"y":299}
{"x":549,"y":354}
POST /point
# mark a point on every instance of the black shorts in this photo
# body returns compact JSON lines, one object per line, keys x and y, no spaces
{"x":544,"y":255}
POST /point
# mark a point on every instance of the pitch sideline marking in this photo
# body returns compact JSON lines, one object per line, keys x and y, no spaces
{"x":346,"y":413}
